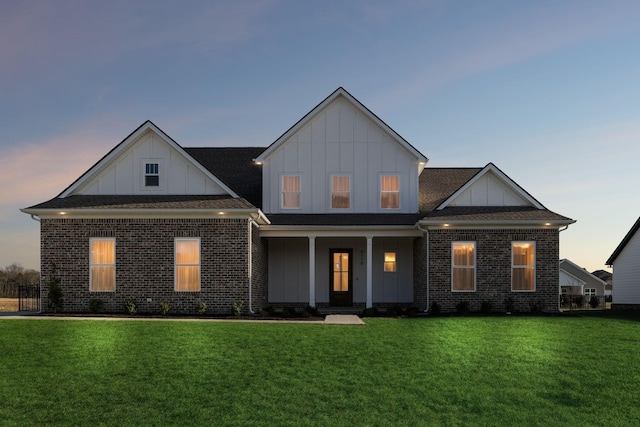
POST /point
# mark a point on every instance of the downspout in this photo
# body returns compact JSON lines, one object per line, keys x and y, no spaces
{"x":36,"y":218}
{"x":250,"y":261}
{"x":560,"y":230}
{"x":426,"y":235}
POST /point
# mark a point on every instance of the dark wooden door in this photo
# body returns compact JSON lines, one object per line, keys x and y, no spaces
{"x":341,"y":289}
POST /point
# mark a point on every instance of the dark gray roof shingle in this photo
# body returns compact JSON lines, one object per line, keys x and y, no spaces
{"x":494,"y":213}
{"x":145,"y":202}
{"x":344,"y":219}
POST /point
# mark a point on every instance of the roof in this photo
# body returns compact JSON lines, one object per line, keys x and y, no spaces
{"x":144,"y":201}
{"x":235,"y":167}
{"x":438,"y":184}
{"x":344,"y":219}
{"x":623,"y":243}
{"x":461,"y":214}
{"x":358,"y":105}
{"x":575,"y":270}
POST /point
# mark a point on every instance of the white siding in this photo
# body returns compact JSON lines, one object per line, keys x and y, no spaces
{"x":340,"y":140}
{"x":626,"y":273}
{"x":489,"y":191}
{"x":125,"y":174}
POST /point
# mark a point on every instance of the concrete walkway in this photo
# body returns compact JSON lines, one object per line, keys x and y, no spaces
{"x":331,"y":319}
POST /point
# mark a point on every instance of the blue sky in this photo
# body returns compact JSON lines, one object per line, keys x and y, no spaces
{"x":547,"y":90}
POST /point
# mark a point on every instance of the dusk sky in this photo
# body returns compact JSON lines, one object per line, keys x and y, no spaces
{"x":549,"y":91}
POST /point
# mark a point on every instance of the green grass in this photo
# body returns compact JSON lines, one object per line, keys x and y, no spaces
{"x":434,"y":371}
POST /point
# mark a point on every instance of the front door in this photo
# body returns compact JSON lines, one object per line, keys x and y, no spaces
{"x":341,"y":292}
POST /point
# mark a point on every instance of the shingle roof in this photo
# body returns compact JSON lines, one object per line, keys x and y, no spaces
{"x":437,"y":184}
{"x":145,"y":202}
{"x":491,"y":213}
{"x":235,"y":167}
{"x":344,"y":219}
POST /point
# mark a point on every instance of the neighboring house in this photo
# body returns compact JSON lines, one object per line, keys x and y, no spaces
{"x":607,"y":277}
{"x":625,"y":261}
{"x":575,"y":280}
{"x":339,"y":211}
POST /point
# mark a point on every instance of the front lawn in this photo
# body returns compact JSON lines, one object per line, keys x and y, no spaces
{"x":433,"y":371}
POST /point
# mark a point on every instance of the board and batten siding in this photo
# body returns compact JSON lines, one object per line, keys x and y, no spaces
{"x":340,"y":140}
{"x":626,"y":273}
{"x":489,"y":191}
{"x":178,"y":175}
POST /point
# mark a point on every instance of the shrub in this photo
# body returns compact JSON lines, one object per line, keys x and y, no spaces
{"x":536,"y":306}
{"x":486,"y":306}
{"x":55,"y":301}
{"x":96,"y":305}
{"x":312,"y":311}
{"x":201,"y":307}
{"x":370,"y":312}
{"x":462,"y":307}
{"x":289,"y":312}
{"x":131,"y":307}
{"x":435,"y":308}
{"x":165,"y":308}
{"x":509,"y":304}
{"x":578,"y":300}
{"x":594,"y":302}
{"x":236,"y":308}
{"x":268,"y":311}
{"x":412,"y":311}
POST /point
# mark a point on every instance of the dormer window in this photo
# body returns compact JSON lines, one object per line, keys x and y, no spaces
{"x":151,"y":175}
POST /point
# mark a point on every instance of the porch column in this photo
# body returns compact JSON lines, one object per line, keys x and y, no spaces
{"x":369,"y":271}
{"x":312,"y":271}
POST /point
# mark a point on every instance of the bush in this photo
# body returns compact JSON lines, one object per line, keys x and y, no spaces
{"x":289,"y":312}
{"x":486,"y":306}
{"x":578,"y":300}
{"x":435,"y":308}
{"x":462,"y":307}
{"x":201,"y":307}
{"x":594,"y":302}
{"x":165,"y":308}
{"x":312,"y":311}
{"x":55,"y":301}
{"x":131,"y":307}
{"x":412,"y":311}
{"x":96,"y":305}
{"x":236,"y":308}
{"x":509,"y":304}
{"x":370,"y":312}
{"x":268,"y":311}
{"x":536,"y":306}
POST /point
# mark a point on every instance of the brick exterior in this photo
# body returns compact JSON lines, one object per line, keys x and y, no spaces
{"x":145,"y":263}
{"x":493,"y":269}
{"x":259,"y":286}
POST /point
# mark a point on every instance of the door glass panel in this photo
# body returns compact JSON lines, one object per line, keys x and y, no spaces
{"x":340,"y":272}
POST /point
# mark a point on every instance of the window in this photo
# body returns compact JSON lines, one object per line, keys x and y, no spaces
{"x":523,"y":270}
{"x":390,"y":192}
{"x":102,"y":269}
{"x":589,"y":292}
{"x":291,"y":192}
{"x":151,"y":175}
{"x":340,"y":192}
{"x":389,"y":262}
{"x":463,"y":266}
{"x":187,"y":269}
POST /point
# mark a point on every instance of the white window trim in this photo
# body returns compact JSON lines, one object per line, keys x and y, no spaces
{"x":350,"y":208}
{"x":176,"y":265}
{"x":381,"y":176}
{"x":282,"y":177}
{"x":535,"y":255}
{"x":143,"y":169}
{"x":91,"y":264}
{"x":475,"y":265}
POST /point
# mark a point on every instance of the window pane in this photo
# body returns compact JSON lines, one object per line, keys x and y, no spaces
{"x":523,"y":278}
{"x":102,"y":251}
{"x":390,"y":183}
{"x":463,"y":269}
{"x":187,"y":252}
{"x":152,"y":181}
{"x":463,"y":279}
{"x":340,"y":192}
{"x":188,"y":278}
{"x":389,"y":262}
{"x":103,"y":278}
{"x":291,"y":192}
{"x":463,"y":254}
{"x":523,"y":254}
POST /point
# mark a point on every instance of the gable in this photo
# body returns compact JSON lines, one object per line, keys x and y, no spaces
{"x":625,"y":241}
{"x":122,"y":171}
{"x":490,"y":187}
{"x":568,"y":279}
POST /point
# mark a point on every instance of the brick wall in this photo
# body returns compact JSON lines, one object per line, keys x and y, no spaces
{"x":259,"y":263}
{"x":493,"y":269}
{"x":145,"y":262}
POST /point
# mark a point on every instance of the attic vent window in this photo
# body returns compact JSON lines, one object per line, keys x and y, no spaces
{"x":151,"y":175}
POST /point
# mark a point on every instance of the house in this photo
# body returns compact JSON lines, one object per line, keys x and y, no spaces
{"x":607,"y":277}
{"x":340,"y":211}
{"x":625,"y":261}
{"x":575,"y":280}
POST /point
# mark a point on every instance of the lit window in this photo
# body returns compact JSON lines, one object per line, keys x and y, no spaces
{"x":291,"y":192}
{"x":187,"y":268}
{"x":390,"y":192}
{"x":390,"y":262}
{"x":341,"y":192}
{"x":463,"y":266}
{"x":151,"y":175}
{"x":523,"y":270}
{"x":102,"y":265}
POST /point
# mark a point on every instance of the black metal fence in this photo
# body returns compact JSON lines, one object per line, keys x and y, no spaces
{"x":29,"y":298}
{"x":584,"y":302}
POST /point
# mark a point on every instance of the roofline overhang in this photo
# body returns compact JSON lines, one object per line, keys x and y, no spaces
{"x":468,"y":224}
{"x":83,"y":213}
{"x":339,"y":231}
